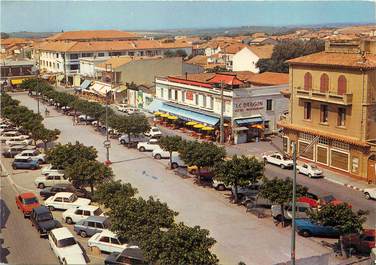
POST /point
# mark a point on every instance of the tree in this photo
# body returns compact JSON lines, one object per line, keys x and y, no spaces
{"x":134,"y":124}
{"x":45,"y":135}
{"x":181,"y":53}
{"x":239,"y":171}
{"x":279,"y":191}
{"x":88,"y":173}
{"x":4,"y":35}
{"x":217,"y":69}
{"x":169,"y":53}
{"x":110,"y":193}
{"x":180,"y":245}
{"x":62,"y":156}
{"x":170,"y":144}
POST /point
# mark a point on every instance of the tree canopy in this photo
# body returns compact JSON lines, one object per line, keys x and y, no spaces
{"x":110,"y":193}
{"x":170,"y":144}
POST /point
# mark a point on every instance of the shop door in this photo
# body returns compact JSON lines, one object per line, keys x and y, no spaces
{"x":371,"y":172}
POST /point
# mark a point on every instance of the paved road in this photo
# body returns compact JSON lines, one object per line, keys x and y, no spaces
{"x":235,"y":231}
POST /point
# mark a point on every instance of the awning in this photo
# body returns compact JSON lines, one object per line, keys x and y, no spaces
{"x":189,"y":115}
{"x":96,"y":88}
{"x":172,"y":117}
{"x":240,"y":129}
{"x":154,"y":105}
{"x":247,"y":121}
{"x":85,"y":84}
{"x":191,"y":123}
{"x":16,"y":81}
{"x":157,"y":113}
{"x":207,"y":128}
{"x":199,"y":126}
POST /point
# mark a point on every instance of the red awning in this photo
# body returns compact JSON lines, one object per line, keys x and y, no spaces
{"x":228,"y":79}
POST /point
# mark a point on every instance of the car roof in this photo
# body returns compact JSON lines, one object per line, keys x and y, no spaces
{"x":97,"y":218}
{"x":106,"y":232}
{"x":61,"y":233}
{"x":41,"y":209}
{"x":64,"y":194}
{"x":134,"y":253}
{"x":303,"y":222}
{"x":27,"y":195}
{"x":61,"y":185}
{"x":369,"y":232}
{"x":88,"y":207}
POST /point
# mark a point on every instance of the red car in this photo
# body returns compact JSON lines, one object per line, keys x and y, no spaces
{"x":360,"y":243}
{"x":26,"y":202}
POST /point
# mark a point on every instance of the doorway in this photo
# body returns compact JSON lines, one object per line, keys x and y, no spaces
{"x":371,"y":169}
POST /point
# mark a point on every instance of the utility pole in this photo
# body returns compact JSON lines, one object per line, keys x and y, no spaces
{"x":222,"y":133}
{"x":107,"y":143}
{"x":293,"y":233}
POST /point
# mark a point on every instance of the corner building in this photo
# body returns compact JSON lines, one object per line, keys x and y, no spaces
{"x":333,"y":96}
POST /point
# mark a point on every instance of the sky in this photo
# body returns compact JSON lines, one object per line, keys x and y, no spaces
{"x":43,"y":16}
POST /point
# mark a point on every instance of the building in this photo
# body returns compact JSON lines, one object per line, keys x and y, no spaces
{"x":14,"y":72}
{"x":88,"y":67}
{"x":247,"y":58}
{"x":263,"y":41}
{"x":140,"y":96}
{"x":94,"y":35}
{"x":333,"y":104}
{"x":250,"y":111}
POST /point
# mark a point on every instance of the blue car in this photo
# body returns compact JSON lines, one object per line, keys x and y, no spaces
{"x":25,"y":163}
{"x":307,"y":227}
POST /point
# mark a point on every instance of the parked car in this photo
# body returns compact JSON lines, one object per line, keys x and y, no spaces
{"x":17,"y":141}
{"x":49,"y":180}
{"x":25,"y":163}
{"x":160,"y":153}
{"x":154,"y":132}
{"x":307,"y":228}
{"x":91,"y":225}
{"x":26,"y":202}
{"x":16,"y":149}
{"x":131,"y":255}
{"x":51,"y":191}
{"x":219,"y":185}
{"x":202,"y":172}
{"x":107,"y":241}
{"x":42,"y":219}
{"x":74,"y":113}
{"x":361,"y":243}
{"x":124,"y":139}
{"x":176,"y":161}
{"x":86,"y":118}
{"x":309,"y":170}
{"x":247,"y":191}
{"x":370,"y":193}
{"x":33,"y":154}
{"x":65,"y":246}
{"x":150,"y":145}
{"x":279,"y":160}
{"x":330,"y":199}
{"x":301,"y":211}
{"x":9,"y":135}
{"x":65,"y":200}
{"x":74,"y":215}
{"x":51,"y":169}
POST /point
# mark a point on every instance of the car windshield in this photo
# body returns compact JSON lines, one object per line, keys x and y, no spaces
{"x":98,"y":212}
{"x":30,"y":200}
{"x":313,"y":166}
{"x":155,"y":130}
{"x":45,"y":217}
{"x":66,"y":242}
{"x":73,"y":198}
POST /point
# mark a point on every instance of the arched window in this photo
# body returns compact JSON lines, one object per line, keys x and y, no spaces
{"x":342,"y":85}
{"x":307,"y":81}
{"x":324,"y":83}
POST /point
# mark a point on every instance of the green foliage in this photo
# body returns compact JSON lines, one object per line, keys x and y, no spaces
{"x":178,"y":53}
{"x":134,"y":124}
{"x":217,"y":69}
{"x":340,"y":216}
{"x":62,"y":156}
{"x":110,"y":193}
{"x":90,"y":173}
{"x":170,"y":144}
{"x":286,"y":50}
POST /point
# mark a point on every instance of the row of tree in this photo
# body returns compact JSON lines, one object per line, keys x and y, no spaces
{"x":29,"y":122}
{"x":150,"y":224}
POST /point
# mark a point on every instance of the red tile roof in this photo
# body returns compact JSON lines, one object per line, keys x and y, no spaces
{"x":93,"y":34}
{"x":226,"y":78}
{"x":269,"y":79}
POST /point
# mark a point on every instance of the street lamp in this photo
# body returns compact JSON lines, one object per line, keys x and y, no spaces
{"x":35,"y":71}
{"x":107,"y":143}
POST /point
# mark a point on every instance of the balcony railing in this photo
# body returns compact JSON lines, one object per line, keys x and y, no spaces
{"x":329,"y":96}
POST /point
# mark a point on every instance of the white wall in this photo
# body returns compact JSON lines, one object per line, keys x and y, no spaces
{"x":245,"y":60}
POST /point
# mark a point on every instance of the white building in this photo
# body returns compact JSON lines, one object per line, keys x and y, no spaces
{"x":247,"y":58}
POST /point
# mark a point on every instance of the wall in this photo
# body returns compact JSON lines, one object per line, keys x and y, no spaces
{"x":245,"y":60}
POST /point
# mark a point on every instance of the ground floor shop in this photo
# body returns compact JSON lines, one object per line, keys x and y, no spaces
{"x":342,"y":154}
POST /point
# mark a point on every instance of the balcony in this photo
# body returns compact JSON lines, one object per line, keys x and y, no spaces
{"x":328,"y":97}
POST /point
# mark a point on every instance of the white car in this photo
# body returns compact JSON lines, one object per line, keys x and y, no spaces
{"x":74,"y":215}
{"x":154,"y":132}
{"x":65,"y":201}
{"x":159,"y":154}
{"x":65,"y":246}
{"x":309,"y":170}
{"x":370,"y":193}
{"x":176,"y":161}
{"x":50,"y":180}
{"x":85,"y":118}
{"x":279,"y":160}
{"x":219,"y":185}
{"x":17,"y":141}
{"x":33,"y":154}
{"x":107,"y":241}
{"x":150,"y":145}
{"x":9,"y":135}
{"x":49,"y":169}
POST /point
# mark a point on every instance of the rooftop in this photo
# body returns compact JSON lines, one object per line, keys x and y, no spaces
{"x":93,"y":34}
{"x":263,"y":52}
{"x":61,"y":233}
{"x":8,"y":62}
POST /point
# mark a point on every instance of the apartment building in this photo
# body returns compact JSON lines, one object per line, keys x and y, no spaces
{"x":246,"y":59}
{"x":94,"y":35}
{"x":333,"y":104}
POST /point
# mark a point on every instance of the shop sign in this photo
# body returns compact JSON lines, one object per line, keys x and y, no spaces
{"x":189,"y":95}
{"x":247,"y":106}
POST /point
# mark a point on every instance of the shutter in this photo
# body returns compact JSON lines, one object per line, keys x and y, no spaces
{"x":324,"y":83}
{"x":308,"y":154}
{"x":339,"y":160}
{"x":322,"y":155}
{"x":342,"y":85}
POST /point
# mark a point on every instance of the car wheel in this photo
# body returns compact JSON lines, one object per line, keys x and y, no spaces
{"x":122,"y":142}
{"x":352,"y":250}
{"x":221,"y":187}
{"x":83,"y":234}
{"x":24,"y":215}
{"x":368,"y":197}
{"x":51,"y":208}
{"x":40,"y":161}
{"x":68,"y":220}
{"x":158,"y":156}
{"x":310,"y":176}
{"x":141,"y":149}
{"x":41,"y":186}
{"x":282,"y":166}
{"x":305,"y":233}
{"x":265,"y":160}
{"x":14,"y":167}
{"x":174,"y":165}
{"x":279,"y":218}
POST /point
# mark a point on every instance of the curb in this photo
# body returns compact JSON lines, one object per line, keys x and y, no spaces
{"x":344,"y":184}
{"x":353,"y":187}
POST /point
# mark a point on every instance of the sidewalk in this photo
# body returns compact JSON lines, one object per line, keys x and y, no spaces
{"x":258,"y":149}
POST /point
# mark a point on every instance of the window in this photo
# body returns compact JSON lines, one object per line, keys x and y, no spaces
{"x":204,"y":101}
{"x":85,"y":54}
{"x":324,"y":83}
{"x":162,"y":92}
{"x":169,"y":94}
{"x":57,"y":177}
{"x":101,"y":54}
{"x":341,"y":117}
{"x":115,"y":241}
{"x":176,"y":95}
{"x":307,"y":110}
{"x":340,"y":145}
{"x":342,"y":85}
{"x":115,"y":53}
{"x":105,"y":239}
{"x":196,"y":99}
{"x":99,"y":225}
{"x":66,"y":200}
{"x":307,"y":81}
{"x":267,"y":125}
{"x":183,"y":96}
{"x":324,"y":113}
{"x":87,"y":213}
{"x":73,"y":56}
{"x":74,"y":67}
{"x":91,"y":224}
{"x":211,"y":100}
{"x":323,"y":141}
{"x":79,"y":212}
{"x":269,"y":104}
{"x":58,"y":199}
{"x":50,"y":177}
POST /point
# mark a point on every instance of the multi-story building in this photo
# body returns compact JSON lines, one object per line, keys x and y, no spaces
{"x":94,"y":35}
{"x":249,"y":111}
{"x":333,"y":104}
{"x":246,"y":59}
{"x":15,"y":71}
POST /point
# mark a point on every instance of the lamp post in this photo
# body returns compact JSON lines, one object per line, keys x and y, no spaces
{"x":107,"y":143}
{"x":35,"y":70}
{"x":293,"y":234}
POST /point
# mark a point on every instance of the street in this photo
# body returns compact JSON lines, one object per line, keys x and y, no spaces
{"x":240,"y":236}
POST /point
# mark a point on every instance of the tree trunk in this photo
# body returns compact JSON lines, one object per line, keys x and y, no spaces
{"x":170,"y":160}
{"x":236,"y":192}
{"x":341,"y":246}
{"x":85,"y":119}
